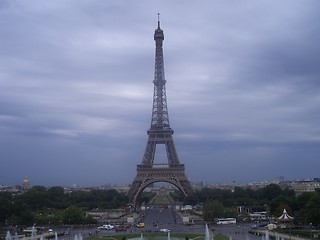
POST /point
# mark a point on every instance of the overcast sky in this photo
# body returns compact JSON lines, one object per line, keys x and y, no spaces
{"x":243,"y":89}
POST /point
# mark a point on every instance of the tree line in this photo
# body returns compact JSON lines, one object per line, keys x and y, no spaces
{"x":49,"y":206}
{"x":218,"y":203}
{"x":45,"y":206}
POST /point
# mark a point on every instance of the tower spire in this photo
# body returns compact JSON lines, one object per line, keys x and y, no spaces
{"x":160,"y":116}
{"x":158,"y":20}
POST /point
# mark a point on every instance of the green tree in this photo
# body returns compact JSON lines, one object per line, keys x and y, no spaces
{"x":37,"y":198}
{"x":313,"y":209}
{"x":73,"y":215}
{"x":241,"y":197}
{"x":90,"y":220}
{"x":212,"y":209}
{"x":5,"y":206}
{"x":279,"y":203}
{"x":19,"y":206}
{"x":27,"y":217}
{"x":270,"y":192}
{"x":56,"y":198}
{"x":147,"y":196}
{"x":303,"y":199}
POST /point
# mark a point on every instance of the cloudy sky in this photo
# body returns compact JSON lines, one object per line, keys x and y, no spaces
{"x":243,"y":89}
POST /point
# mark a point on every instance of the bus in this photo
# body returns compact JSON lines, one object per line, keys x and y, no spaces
{"x":226,"y":221}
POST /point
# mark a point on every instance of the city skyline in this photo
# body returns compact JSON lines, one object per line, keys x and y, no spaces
{"x":26,"y":183}
{"x":76,"y":89}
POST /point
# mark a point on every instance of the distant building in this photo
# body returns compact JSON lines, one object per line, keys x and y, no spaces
{"x":305,"y":186}
{"x":25,"y":183}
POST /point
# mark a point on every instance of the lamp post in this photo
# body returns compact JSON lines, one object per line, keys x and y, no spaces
{"x":290,"y":231}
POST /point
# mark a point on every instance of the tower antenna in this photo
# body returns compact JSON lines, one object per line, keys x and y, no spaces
{"x":159,"y":20}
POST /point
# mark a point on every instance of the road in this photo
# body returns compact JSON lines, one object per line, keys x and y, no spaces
{"x":235,"y":232}
{"x":157,"y":218}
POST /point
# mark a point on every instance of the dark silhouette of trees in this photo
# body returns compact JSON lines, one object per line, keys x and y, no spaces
{"x":5,"y":206}
{"x":212,"y":209}
{"x":56,"y":198}
{"x":73,"y":215}
{"x":102,"y":199}
{"x":52,"y":205}
{"x":308,"y":208}
{"x":36,"y":198}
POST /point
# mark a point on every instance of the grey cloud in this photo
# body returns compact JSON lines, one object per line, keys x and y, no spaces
{"x":76,"y":87}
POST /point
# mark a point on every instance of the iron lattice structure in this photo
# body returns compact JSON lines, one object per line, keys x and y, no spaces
{"x":159,"y":133}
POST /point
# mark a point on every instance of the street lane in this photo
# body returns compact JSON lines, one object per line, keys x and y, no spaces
{"x":158,"y":217}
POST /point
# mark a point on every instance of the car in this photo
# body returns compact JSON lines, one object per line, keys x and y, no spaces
{"x":106,"y":227}
{"x":140,"y":225}
{"x":119,"y":228}
{"x":164,"y":230}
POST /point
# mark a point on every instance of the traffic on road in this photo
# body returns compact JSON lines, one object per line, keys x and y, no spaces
{"x":161,"y":219}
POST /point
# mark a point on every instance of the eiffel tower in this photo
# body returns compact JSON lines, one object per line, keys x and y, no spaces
{"x":159,"y":133}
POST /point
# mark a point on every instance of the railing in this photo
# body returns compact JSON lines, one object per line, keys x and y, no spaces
{"x":161,"y":165}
